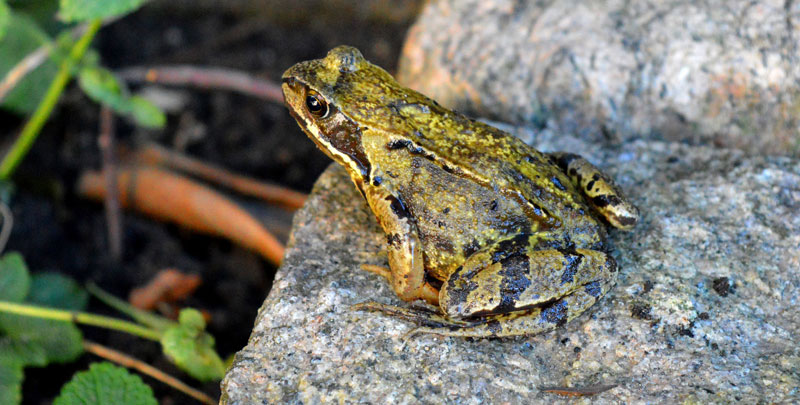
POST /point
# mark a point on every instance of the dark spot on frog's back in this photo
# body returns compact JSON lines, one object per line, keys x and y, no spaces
{"x":509,"y":247}
{"x":605,"y":200}
{"x":594,"y":289}
{"x":398,"y":207}
{"x":558,"y":184}
{"x":471,"y":248}
{"x":555,"y":312}
{"x":398,"y":144}
{"x":515,"y":281}
{"x":572,"y":260}
{"x":591,"y":182}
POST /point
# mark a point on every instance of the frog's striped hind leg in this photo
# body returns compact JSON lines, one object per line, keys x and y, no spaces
{"x":540,"y":319}
{"x":601,"y":192}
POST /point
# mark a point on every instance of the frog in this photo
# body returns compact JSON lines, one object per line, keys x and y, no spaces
{"x":496,"y":237}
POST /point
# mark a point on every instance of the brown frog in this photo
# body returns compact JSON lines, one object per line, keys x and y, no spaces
{"x":503,"y":239}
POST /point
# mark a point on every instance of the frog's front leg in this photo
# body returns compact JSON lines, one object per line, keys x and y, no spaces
{"x":406,"y":272}
{"x":601,"y":192}
{"x":510,"y":289}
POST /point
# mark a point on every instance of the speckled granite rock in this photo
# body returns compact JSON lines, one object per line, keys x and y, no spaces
{"x":705,"y":309}
{"x":714,"y":71}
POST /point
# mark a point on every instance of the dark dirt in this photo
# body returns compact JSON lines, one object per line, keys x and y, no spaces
{"x":56,"y":230}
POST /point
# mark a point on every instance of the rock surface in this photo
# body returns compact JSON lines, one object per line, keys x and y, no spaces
{"x":721,"y":71}
{"x":705,"y":309}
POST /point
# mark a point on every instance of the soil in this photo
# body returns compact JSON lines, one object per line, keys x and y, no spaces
{"x":56,"y":230}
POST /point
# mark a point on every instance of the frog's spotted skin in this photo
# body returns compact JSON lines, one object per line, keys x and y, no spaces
{"x":498,"y":235}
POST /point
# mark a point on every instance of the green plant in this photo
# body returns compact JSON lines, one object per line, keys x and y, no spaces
{"x":37,"y":327}
{"x":22,"y":36}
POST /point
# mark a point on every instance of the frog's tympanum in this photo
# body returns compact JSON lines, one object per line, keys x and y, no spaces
{"x":503,"y":239}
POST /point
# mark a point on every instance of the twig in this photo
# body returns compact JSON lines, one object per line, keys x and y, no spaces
{"x":154,"y":154}
{"x":8,"y":223}
{"x":107,"y":143}
{"x":23,"y":67}
{"x":144,"y":368}
{"x":31,"y":129}
{"x":206,"y":78}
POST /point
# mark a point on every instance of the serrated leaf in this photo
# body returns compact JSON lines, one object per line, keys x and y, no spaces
{"x":191,"y":348}
{"x":22,"y":352}
{"x":5,"y":16}
{"x":57,"y":290}
{"x":11,"y":376}
{"x":82,"y":10}
{"x":102,"y":86}
{"x":14,"y":279}
{"x":22,"y":37}
{"x":146,"y":113}
{"x":105,"y":383}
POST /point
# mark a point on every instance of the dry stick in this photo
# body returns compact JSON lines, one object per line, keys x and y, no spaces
{"x":206,"y":78}
{"x":107,"y":143}
{"x":144,"y":368}
{"x":154,"y":154}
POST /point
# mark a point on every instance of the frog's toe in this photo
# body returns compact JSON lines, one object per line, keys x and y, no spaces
{"x":418,"y":315}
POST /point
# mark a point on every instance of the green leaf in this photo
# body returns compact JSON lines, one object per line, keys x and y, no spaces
{"x":58,"y":291}
{"x":11,"y":383}
{"x":146,"y":113}
{"x":5,"y":16}
{"x":102,"y":86}
{"x":22,"y":37}
{"x":82,"y":10}
{"x":105,"y":383}
{"x":24,"y":353}
{"x":191,"y":348}
{"x":61,"y":341}
{"x":14,"y":279}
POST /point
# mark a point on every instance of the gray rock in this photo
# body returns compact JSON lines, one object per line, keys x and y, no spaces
{"x":705,"y":309}
{"x":723,"y":72}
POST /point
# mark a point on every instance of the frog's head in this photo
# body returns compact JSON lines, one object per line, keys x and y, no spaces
{"x":333,"y":98}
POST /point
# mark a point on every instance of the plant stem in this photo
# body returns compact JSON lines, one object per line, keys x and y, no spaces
{"x":31,"y":130}
{"x":80,"y":317}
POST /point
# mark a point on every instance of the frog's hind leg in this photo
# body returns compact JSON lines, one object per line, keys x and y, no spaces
{"x":601,"y":192}
{"x":540,"y":319}
{"x":523,"y":291}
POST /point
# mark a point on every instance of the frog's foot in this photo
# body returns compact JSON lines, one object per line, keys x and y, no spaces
{"x":418,"y":315}
{"x":601,"y":192}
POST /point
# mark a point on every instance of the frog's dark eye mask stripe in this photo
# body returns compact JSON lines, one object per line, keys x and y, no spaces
{"x":334,"y":133}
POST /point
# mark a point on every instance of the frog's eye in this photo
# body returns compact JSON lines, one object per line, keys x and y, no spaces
{"x":316,"y":105}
